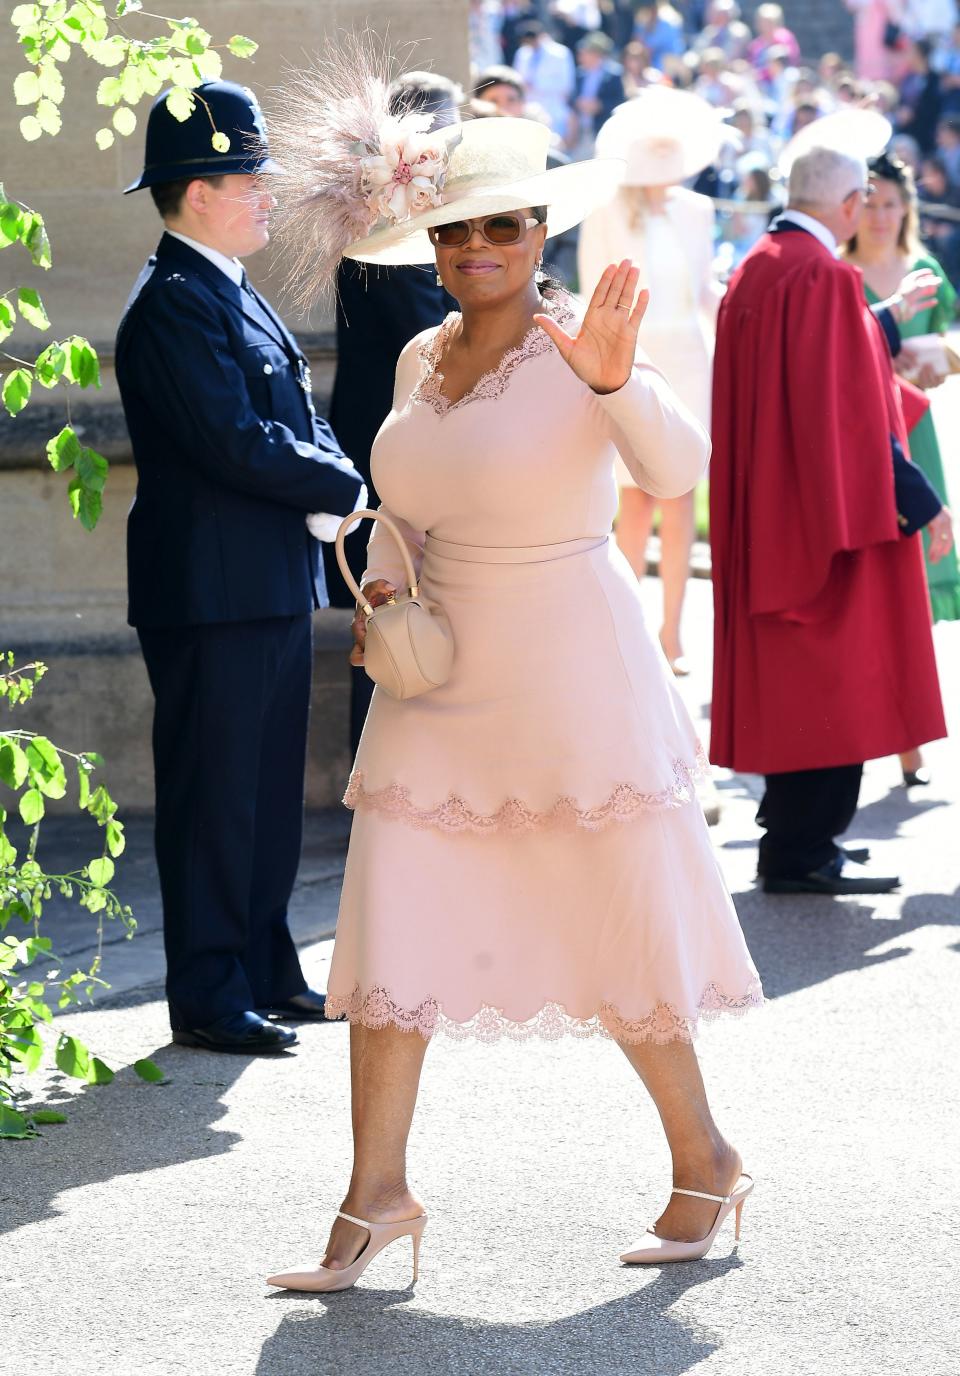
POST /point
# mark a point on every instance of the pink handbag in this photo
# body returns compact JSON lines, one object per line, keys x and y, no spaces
{"x":409,"y":645}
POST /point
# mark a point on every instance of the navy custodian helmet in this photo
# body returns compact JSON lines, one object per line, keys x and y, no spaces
{"x":177,"y":149}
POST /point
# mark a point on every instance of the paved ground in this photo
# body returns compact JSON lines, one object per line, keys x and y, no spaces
{"x":135,"y":1238}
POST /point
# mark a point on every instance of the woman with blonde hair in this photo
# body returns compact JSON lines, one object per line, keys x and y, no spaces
{"x":886,"y":247}
{"x":527,"y":855}
{"x":664,"y":137}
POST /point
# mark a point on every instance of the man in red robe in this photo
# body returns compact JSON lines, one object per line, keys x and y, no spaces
{"x":823,"y":650}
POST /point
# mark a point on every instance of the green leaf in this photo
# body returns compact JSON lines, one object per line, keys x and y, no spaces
{"x":110,"y":91}
{"x":26,"y":88}
{"x":242,"y":47}
{"x":104,"y":139}
{"x":128,"y":7}
{"x":31,"y":308}
{"x":84,"y":367}
{"x":51,"y":82}
{"x":27,"y":1046}
{"x":43,"y":756}
{"x":13,"y":763}
{"x":209,"y":64}
{"x":50,"y":365}
{"x":99,"y":1073}
{"x":180,"y":103}
{"x":116,"y":841}
{"x":148,"y":1070}
{"x":83,"y":776}
{"x":109,"y":52}
{"x":221,"y":143}
{"x":34,"y":237}
{"x":25,"y":15}
{"x":8,"y":853}
{"x":124,"y":121}
{"x":11,"y":222}
{"x":72,"y":1057}
{"x":14,"y":1124}
{"x":7,"y":317}
{"x":101,"y":871}
{"x":195,"y":44}
{"x":31,"y":128}
{"x":49,"y":117}
{"x":63,"y":450}
{"x":32,"y":806}
{"x":89,"y":508}
{"x":101,"y":805}
{"x":43,"y":1116}
{"x":17,"y":387}
{"x":92,"y":469}
{"x":130,"y":83}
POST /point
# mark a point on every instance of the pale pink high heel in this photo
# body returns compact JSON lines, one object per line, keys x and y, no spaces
{"x":323,"y":1278}
{"x":660,"y":1250}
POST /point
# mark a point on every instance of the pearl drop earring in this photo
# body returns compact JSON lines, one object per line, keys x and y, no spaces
{"x":539,"y":275}
{"x":439,"y":280}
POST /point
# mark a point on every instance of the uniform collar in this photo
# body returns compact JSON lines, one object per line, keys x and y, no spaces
{"x":232,"y":267}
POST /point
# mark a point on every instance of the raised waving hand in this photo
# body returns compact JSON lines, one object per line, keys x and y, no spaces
{"x":601,"y":353}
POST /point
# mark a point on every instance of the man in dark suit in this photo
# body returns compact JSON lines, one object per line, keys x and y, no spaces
{"x":599,"y":89}
{"x":224,"y":575}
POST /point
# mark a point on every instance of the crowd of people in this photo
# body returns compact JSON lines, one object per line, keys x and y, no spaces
{"x":570,"y":63}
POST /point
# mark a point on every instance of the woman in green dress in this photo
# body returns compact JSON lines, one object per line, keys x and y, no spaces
{"x":887,"y":247}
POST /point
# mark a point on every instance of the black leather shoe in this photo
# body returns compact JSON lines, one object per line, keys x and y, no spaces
{"x":305,"y":1007}
{"x":245,"y":1034}
{"x":834,"y":878}
{"x":860,"y":854}
{"x":917,"y":778}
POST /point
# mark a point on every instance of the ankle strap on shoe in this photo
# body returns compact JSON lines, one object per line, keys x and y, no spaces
{"x":350,"y":1219}
{"x":699,"y":1194}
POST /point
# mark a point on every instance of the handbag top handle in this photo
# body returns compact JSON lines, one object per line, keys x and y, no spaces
{"x":348,"y":577}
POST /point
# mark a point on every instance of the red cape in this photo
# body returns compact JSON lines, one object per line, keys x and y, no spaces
{"x":823,"y":650}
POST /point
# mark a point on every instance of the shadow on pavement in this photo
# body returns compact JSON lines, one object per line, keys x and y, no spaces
{"x":797,"y":943}
{"x":124,"y":1128}
{"x":366,"y":1332}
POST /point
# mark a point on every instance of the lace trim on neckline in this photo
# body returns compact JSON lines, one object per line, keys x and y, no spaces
{"x":490,"y":385}
{"x":624,"y":803}
{"x":378,"y":1009}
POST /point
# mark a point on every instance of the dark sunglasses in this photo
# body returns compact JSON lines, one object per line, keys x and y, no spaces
{"x":496,"y":229}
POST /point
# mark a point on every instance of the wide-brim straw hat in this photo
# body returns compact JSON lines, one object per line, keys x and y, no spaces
{"x":861,"y":133}
{"x":664,"y":136}
{"x":498,"y":164}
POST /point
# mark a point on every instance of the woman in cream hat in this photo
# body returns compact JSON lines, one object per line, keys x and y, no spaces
{"x":527,"y":856}
{"x":664,"y":137}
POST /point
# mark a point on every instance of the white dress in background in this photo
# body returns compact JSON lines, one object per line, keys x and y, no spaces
{"x":674,"y":252}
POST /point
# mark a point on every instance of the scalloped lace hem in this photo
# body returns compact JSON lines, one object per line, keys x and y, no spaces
{"x":663,"y":1024}
{"x":624,"y":803}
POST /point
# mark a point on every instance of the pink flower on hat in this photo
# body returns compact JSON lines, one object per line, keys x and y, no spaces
{"x":407,"y":174}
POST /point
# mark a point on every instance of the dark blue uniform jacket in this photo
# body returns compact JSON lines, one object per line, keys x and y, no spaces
{"x":230,"y":453}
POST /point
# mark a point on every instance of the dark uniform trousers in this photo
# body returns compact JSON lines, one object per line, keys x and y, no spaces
{"x":802,"y":811}
{"x":229,"y":823}
{"x":223,"y":579}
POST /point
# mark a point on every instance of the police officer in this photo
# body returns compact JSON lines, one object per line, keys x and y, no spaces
{"x":224,"y":574}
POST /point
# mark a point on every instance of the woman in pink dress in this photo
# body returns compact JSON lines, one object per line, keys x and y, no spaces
{"x":527,"y":854}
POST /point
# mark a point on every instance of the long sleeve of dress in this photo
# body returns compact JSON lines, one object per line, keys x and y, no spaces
{"x":664,"y":447}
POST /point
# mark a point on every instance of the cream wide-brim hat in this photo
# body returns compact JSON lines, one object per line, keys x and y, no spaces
{"x":498,"y":164}
{"x":861,"y":133}
{"x":664,"y":136}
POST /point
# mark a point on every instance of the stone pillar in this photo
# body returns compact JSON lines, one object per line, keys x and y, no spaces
{"x":62,"y":590}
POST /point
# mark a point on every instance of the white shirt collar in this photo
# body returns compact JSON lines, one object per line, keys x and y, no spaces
{"x":815,"y":227}
{"x":232,"y":267}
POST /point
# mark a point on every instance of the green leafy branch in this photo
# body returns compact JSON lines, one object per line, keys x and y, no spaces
{"x":183,"y":56}
{"x":35,"y":769}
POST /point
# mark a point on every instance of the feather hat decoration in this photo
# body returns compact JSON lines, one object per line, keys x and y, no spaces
{"x":349,"y":164}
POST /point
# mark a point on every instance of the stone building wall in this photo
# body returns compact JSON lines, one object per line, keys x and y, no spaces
{"x":62,"y":590}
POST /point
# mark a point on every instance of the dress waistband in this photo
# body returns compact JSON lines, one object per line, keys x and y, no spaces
{"x":516,"y":554}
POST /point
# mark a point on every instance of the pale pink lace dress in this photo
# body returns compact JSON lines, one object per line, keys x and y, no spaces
{"x":528,"y":854}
